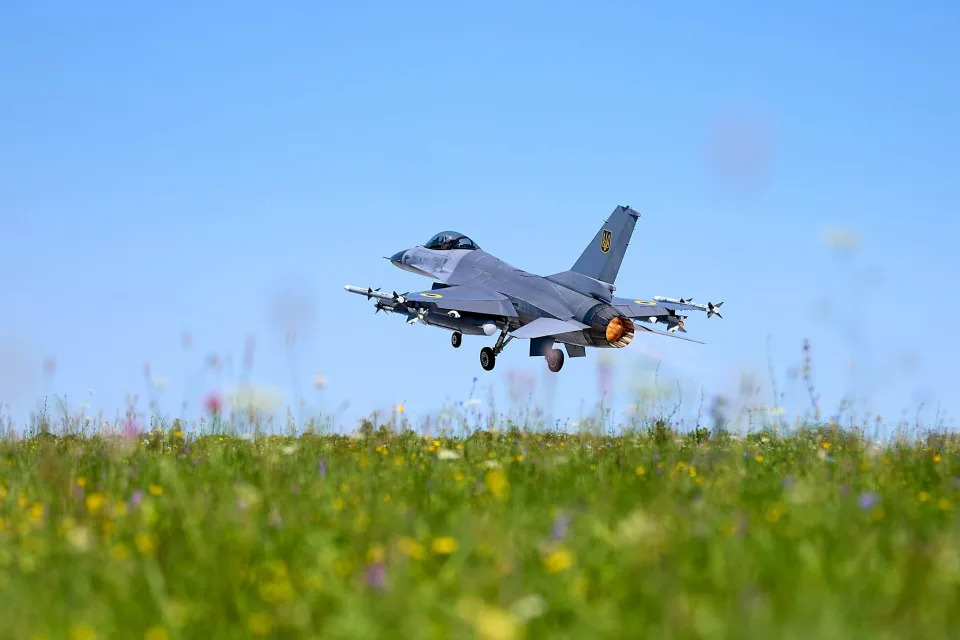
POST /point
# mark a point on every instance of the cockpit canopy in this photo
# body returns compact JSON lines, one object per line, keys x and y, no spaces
{"x":447,"y":240}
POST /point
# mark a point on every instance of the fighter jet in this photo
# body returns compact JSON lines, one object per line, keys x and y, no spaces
{"x":476,"y":293}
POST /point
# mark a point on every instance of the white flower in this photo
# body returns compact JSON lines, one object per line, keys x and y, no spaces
{"x":529,"y":607}
{"x":447,"y":454}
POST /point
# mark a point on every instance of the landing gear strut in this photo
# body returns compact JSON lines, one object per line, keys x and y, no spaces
{"x":488,"y":356}
{"x":456,"y":339}
{"x":555,"y":360}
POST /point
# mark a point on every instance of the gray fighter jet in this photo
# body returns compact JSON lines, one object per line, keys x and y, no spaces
{"x":479,"y":294}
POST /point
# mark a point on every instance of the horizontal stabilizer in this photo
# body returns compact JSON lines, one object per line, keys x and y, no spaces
{"x":664,"y":333}
{"x":542,"y":327}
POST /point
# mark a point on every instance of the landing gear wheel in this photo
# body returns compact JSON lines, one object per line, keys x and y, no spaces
{"x":487,"y":359}
{"x":456,"y":339}
{"x":555,"y":360}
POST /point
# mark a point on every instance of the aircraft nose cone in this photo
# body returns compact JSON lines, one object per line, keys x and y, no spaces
{"x":397,"y":258}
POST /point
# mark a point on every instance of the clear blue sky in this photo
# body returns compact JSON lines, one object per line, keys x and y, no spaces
{"x":178,"y":167}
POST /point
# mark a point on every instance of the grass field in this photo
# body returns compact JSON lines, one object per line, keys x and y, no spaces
{"x":649,"y":534}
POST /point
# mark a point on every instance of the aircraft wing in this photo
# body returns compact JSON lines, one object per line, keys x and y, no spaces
{"x":463,"y":298}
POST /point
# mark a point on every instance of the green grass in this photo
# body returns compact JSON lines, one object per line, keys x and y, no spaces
{"x":819,"y":533}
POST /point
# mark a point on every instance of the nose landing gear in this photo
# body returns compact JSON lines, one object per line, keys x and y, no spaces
{"x":456,"y":339}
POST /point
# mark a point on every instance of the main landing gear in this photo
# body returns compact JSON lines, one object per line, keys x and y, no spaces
{"x":555,"y":360}
{"x":488,"y":356}
{"x":456,"y":339}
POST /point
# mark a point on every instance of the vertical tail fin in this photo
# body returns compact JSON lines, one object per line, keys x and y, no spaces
{"x":602,"y":258}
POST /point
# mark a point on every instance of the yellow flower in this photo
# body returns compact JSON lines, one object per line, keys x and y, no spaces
{"x":155,"y":633}
{"x":178,"y":434}
{"x":401,"y":409}
{"x":759,"y":458}
{"x":496,"y":481}
{"x":558,"y":560}
{"x":412,"y":548}
{"x":375,"y":554}
{"x":95,"y":502}
{"x":260,"y":624}
{"x":82,"y":632}
{"x":943,"y":504}
{"x":444,"y":546}
{"x":775,"y":512}
{"x":826,"y":445}
{"x":145,"y":543}
{"x":156,"y":490}
{"x":923,"y":496}
{"x":459,"y":447}
{"x":36,"y":512}
{"x":936,"y":458}
{"x":641,"y":471}
{"x":81,"y":481}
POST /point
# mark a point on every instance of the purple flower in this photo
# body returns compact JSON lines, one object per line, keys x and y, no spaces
{"x":322,"y":468}
{"x":867,"y":500}
{"x":136,"y":498}
{"x":375,"y":576}
{"x":560,"y":525}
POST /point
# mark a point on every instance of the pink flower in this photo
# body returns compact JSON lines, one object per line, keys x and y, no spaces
{"x":131,"y":429}
{"x":213,"y":402}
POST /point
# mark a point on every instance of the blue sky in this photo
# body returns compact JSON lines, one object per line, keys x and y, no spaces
{"x":225,"y":169}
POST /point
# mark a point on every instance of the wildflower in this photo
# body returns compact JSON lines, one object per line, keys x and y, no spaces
{"x":558,"y":561}
{"x":943,"y":504}
{"x":82,"y":632}
{"x":560,"y":525}
{"x":400,"y":409}
{"x":79,"y":538}
{"x":825,"y":445}
{"x":411,"y":548}
{"x":496,"y":481}
{"x":156,"y":490}
{"x":923,"y":496}
{"x":375,"y":576}
{"x":95,"y":502}
{"x":36,"y":512}
{"x":447,"y":454}
{"x":529,"y":607}
{"x":867,"y":500}
{"x":213,"y":403}
{"x":936,"y":458}
{"x":145,"y":544}
{"x":444,"y":546}
{"x":640,"y":471}
{"x":81,"y":481}
{"x":136,"y":498}
{"x":759,"y":458}
{"x":155,"y":633}
{"x":260,"y":624}
{"x":775,"y":512}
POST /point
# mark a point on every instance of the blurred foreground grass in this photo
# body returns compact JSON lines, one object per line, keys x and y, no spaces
{"x":650,"y":534}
